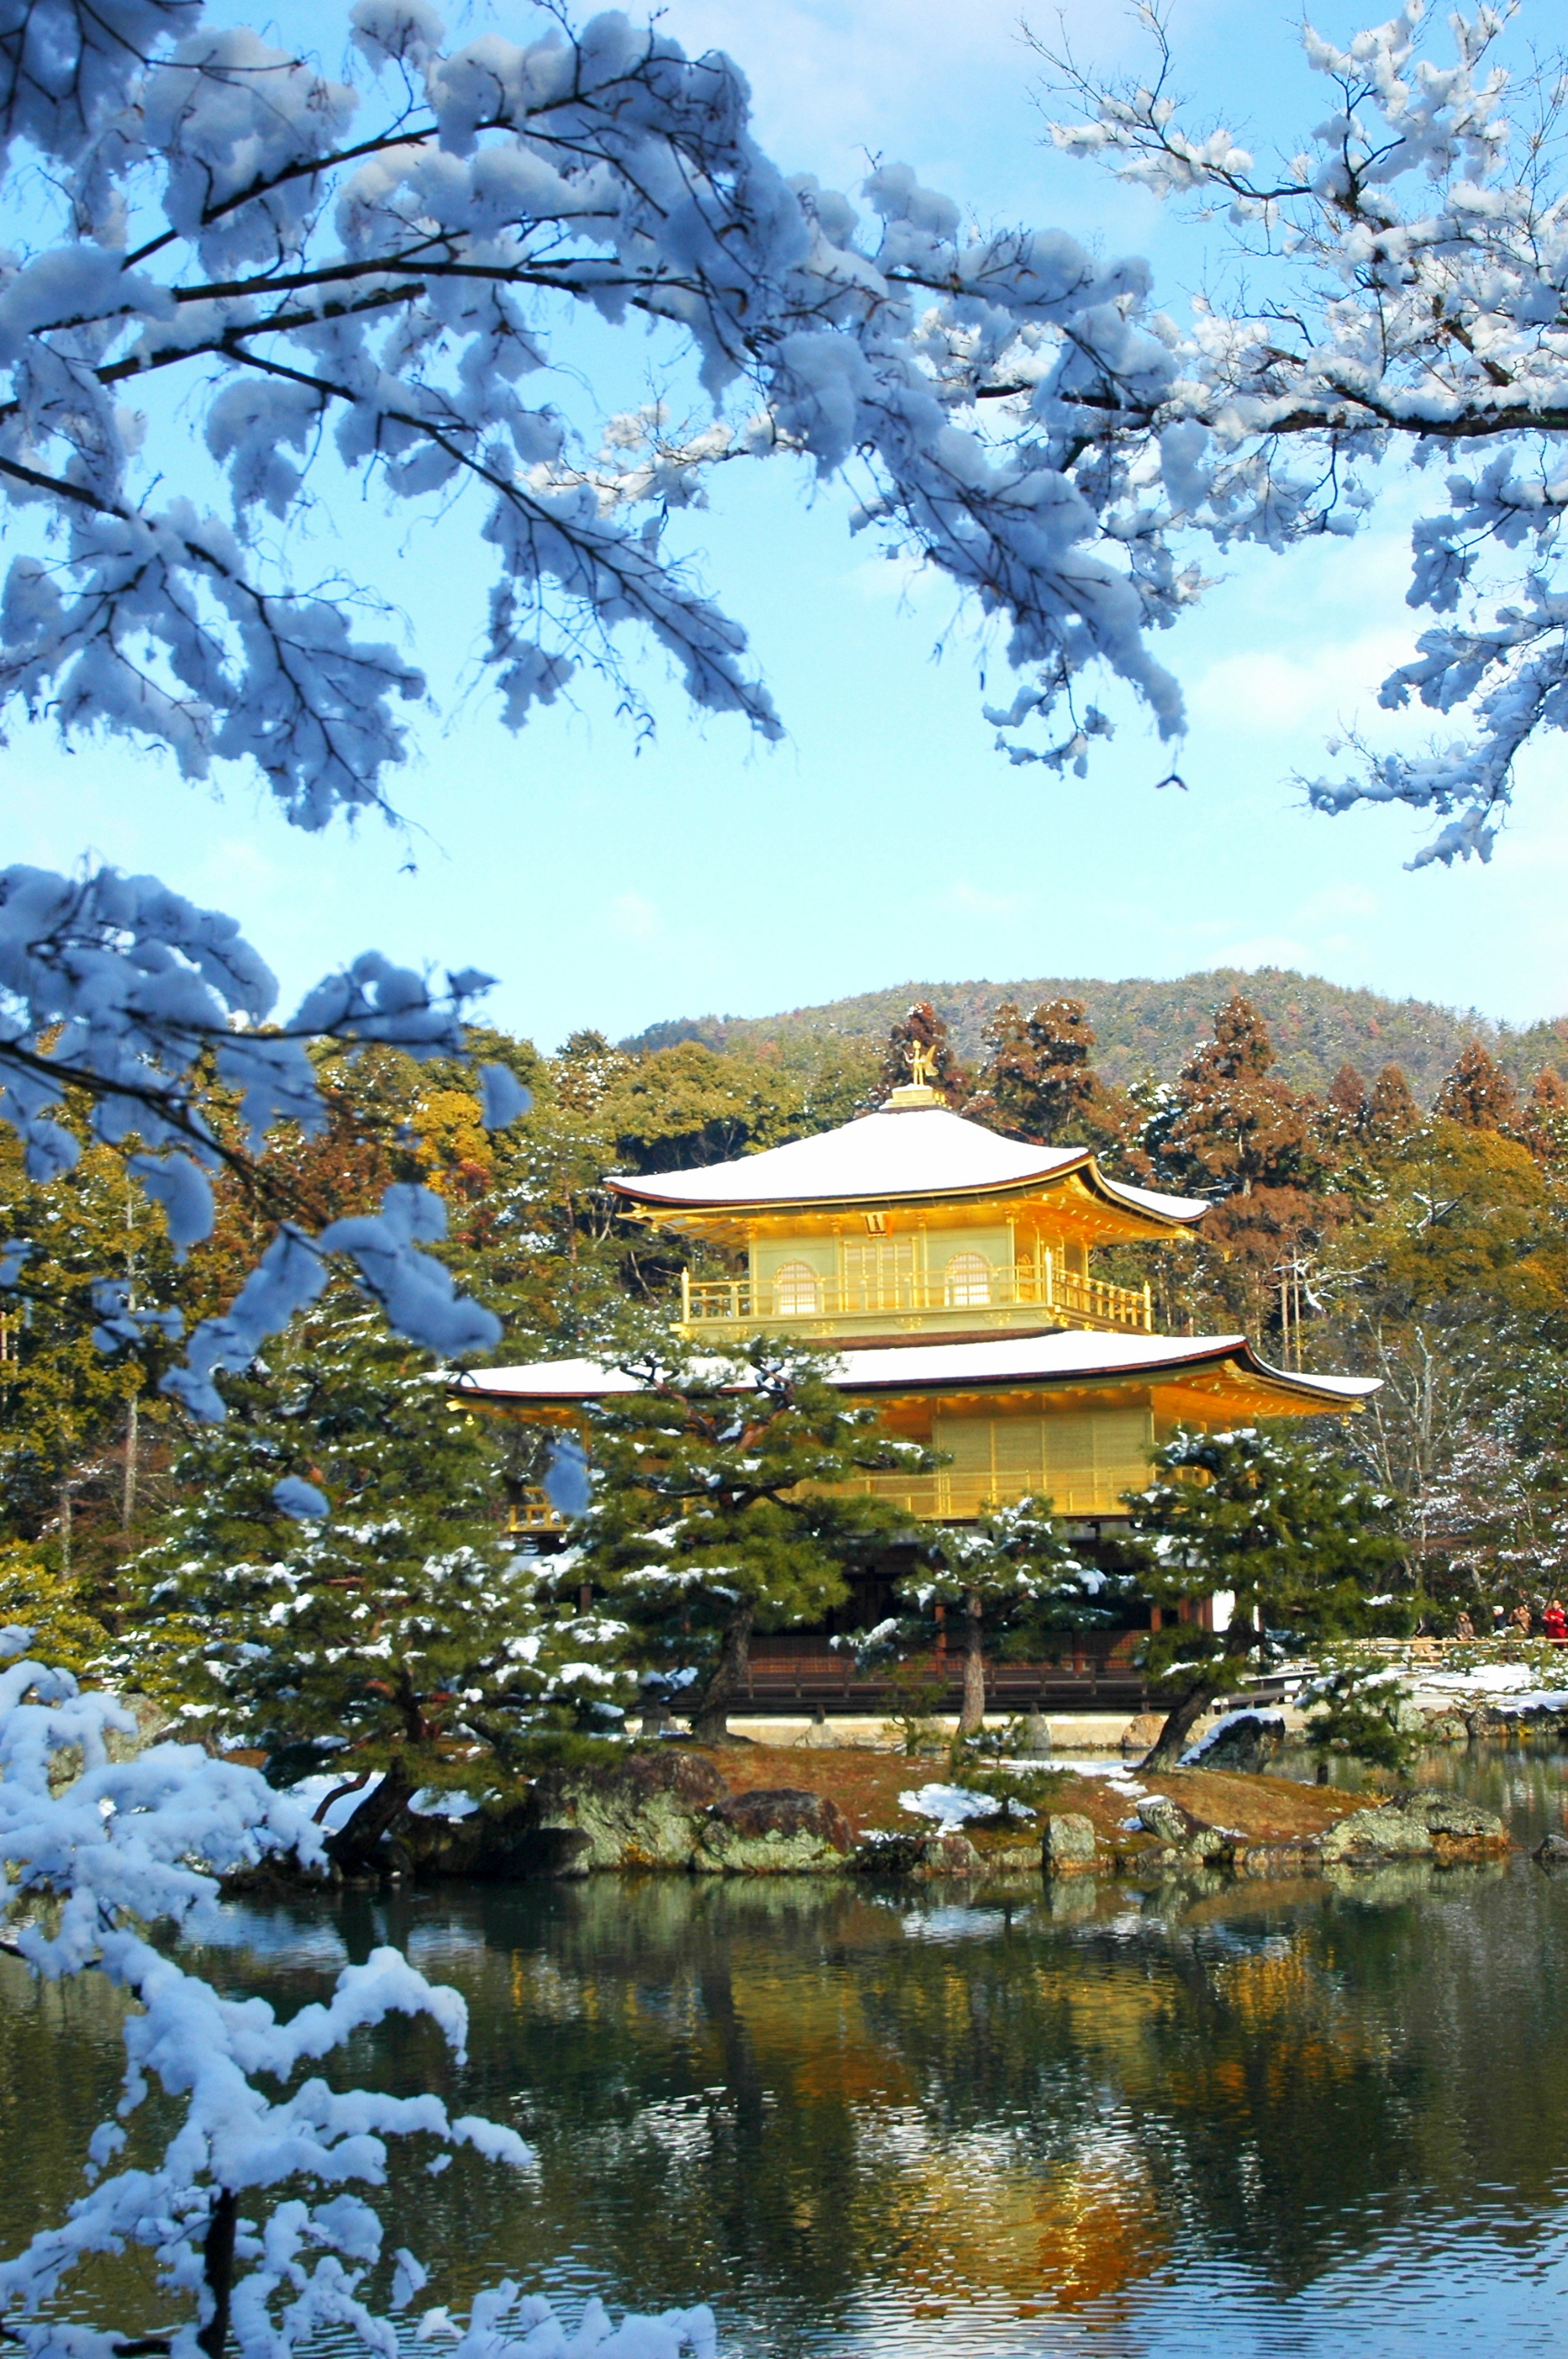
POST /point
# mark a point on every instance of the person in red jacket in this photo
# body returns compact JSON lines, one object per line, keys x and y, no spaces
{"x":1554,"y":1622}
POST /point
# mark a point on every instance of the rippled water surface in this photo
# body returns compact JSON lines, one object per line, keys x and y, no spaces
{"x":1309,"y":2118}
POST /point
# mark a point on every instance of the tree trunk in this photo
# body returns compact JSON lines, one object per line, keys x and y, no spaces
{"x":727,"y":1684}
{"x":354,"y":1845}
{"x":1171,"y":1741}
{"x":972,"y":1711}
{"x":128,"y":1488}
{"x":218,"y":2270}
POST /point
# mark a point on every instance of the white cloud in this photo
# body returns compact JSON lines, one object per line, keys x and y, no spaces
{"x":923,"y":82}
{"x":634,"y":917}
{"x":975,"y":902}
{"x":1310,"y":690}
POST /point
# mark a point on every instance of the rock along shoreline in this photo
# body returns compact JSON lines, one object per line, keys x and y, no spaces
{"x":767,"y":1811}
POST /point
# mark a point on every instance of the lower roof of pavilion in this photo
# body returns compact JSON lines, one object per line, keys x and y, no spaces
{"x":1192,"y":1378}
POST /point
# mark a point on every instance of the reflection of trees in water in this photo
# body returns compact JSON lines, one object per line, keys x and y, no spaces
{"x":60,"y":2067}
{"x":800,"y":2096}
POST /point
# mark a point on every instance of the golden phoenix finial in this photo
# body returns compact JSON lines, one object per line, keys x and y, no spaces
{"x":922,"y":1065}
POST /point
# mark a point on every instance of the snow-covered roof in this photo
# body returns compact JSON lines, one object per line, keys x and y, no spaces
{"x":917,"y":1367}
{"x":921,"y":1151}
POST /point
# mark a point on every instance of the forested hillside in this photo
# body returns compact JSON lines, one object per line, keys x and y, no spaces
{"x":1149,"y":1028}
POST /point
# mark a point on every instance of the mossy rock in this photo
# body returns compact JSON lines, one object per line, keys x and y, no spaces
{"x":774,"y":1830}
{"x":645,"y":1810}
{"x":1067,"y":1844}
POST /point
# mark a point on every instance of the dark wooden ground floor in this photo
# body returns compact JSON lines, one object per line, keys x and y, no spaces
{"x":1093,"y":1671}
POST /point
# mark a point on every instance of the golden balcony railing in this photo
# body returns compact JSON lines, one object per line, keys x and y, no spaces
{"x":952,"y":1497}
{"x":533,"y":1513}
{"x":992,"y":1296}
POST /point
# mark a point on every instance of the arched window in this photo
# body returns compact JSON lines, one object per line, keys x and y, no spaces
{"x":969,"y":1280}
{"x":796,"y":1291}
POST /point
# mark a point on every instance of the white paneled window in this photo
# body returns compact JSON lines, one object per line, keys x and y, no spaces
{"x":796,"y":1290}
{"x":969,"y":1278}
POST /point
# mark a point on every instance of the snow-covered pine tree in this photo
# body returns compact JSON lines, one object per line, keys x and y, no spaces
{"x":337,"y":1590}
{"x":1013,"y":1560}
{"x":1299,"y":1543}
{"x":1392,"y":293}
{"x":724,"y":1504}
{"x":244,"y":2186}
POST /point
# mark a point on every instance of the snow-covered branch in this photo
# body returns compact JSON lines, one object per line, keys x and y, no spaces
{"x":101,"y":1842}
{"x":1403,"y":299}
{"x":125,"y":993}
{"x":369,"y":273}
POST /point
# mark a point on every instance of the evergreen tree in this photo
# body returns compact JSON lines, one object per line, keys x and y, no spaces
{"x":1300,"y":1544}
{"x":717,"y":1509}
{"x":335,"y":1589}
{"x":1392,"y":1114}
{"x":1233,"y":1126}
{"x":1037,"y":1081}
{"x":1012,"y":1560}
{"x":588,"y":1069}
{"x":1545,"y":1125}
{"x":685,"y":1106}
{"x":1358,"y":1709}
{"x":1478,"y":1094}
{"x":923,"y":1028}
{"x":1347,"y":1102}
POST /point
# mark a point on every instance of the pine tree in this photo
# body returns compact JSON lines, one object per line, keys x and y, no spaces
{"x":923,"y":1028}
{"x":1299,"y":1543}
{"x":716,"y":1510}
{"x":1478,"y":1093}
{"x":1037,"y":1081}
{"x":1013,"y":1560}
{"x":335,"y":1588}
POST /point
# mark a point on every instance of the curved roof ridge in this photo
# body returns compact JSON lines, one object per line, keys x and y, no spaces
{"x":915,"y":1151}
{"x":1009,"y":1360}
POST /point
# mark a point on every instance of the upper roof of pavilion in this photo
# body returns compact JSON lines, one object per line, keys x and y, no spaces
{"x":917,"y":1152}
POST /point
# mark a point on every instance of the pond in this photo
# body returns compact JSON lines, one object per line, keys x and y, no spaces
{"x":862,"y":2120}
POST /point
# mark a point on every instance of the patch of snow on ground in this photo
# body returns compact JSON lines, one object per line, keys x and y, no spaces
{"x":1505,"y":1685}
{"x":948,"y":1805}
{"x":1117,"y":1776}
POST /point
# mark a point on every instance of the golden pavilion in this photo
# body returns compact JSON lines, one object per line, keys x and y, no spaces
{"x":954,"y":1270}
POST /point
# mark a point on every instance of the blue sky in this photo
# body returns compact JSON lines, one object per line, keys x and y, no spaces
{"x":610,"y":883}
